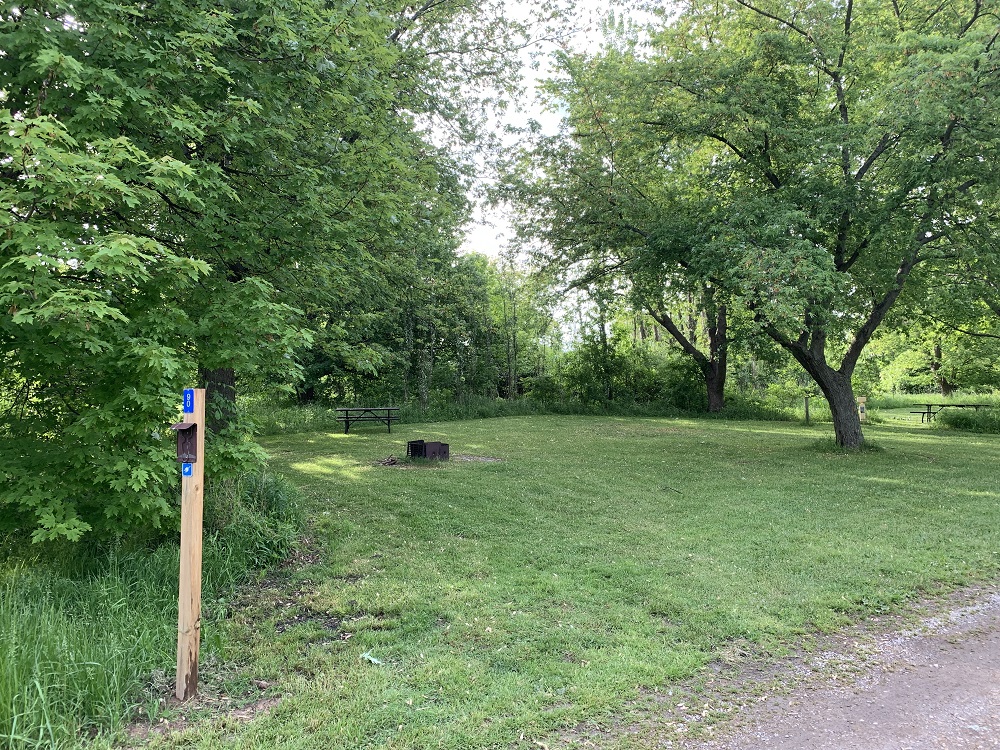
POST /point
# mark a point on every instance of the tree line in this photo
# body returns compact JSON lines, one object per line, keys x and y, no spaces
{"x":200,"y":192}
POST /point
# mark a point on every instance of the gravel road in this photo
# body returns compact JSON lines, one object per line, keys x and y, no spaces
{"x":933,"y":685}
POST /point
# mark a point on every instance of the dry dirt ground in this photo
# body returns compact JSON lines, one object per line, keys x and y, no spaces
{"x":890,"y":684}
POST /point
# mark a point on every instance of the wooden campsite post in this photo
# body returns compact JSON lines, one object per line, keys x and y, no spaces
{"x":862,"y":411}
{"x":807,"y":407}
{"x":191,"y":453}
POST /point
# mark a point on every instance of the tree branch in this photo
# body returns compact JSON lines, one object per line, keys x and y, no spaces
{"x":784,"y":22}
{"x":976,"y":13}
{"x":880,"y":309}
{"x":768,"y":174}
{"x":661,"y":317}
{"x":975,"y":334}
{"x":887,"y":140}
{"x":407,"y":21}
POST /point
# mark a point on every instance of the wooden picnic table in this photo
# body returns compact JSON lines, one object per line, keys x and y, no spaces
{"x":931,"y":410}
{"x":351,"y":414}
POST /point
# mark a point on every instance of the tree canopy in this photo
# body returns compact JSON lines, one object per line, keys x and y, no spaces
{"x":809,"y":158}
{"x":198,"y":190}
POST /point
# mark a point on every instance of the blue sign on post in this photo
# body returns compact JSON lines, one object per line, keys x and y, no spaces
{"x":187,"y":470}
{"x":189,"y":400}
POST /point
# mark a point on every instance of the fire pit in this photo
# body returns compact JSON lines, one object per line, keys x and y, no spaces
{"x":428,"y":449}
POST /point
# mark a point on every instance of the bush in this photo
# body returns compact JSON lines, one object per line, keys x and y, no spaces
{"x":982,"y":420}
{"x":251,"y":523}
{"x":281,"y":419}
{"x":746,"y":408}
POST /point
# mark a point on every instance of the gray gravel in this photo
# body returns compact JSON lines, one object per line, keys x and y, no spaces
{"x":936,"y":685}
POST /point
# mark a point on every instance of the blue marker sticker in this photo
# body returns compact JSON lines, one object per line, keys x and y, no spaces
{"x":187,"y":470}
{"x":189,"y":400}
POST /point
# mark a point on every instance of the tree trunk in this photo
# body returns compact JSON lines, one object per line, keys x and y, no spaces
{"x":714,"y":365}
{"x":844,"y":408}
{"x":424,"y":387}
{"x":306,"y":394}
{"x":716,"y":385}
{"x":459,"y":370}
{"x":607,"y":376}
{"x":839,"y":394}
{"x":220,"y":397}
{"x":718,"y":356}
{"x":937,"y":367}
{"x":809,"y":350}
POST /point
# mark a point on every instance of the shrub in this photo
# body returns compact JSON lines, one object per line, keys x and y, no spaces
{"x":982,"y":420}
{"x":746,"y":408}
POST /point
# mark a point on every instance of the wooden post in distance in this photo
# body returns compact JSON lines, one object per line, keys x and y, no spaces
{"x":189,"y":598}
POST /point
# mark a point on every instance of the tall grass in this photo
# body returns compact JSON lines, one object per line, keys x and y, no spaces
{"x":82,"y":632}
{"x":985,"y":421}
{"x":76,"y":651}
{"x":900,"y":408}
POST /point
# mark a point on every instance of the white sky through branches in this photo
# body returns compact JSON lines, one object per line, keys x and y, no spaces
{"x":490,"y":231}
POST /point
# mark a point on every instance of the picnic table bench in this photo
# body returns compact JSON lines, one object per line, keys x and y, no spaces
{"x":351,"y":414}
{"x":931,"y":410}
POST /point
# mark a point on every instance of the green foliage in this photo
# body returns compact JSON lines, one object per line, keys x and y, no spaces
{"x":88,"y":634}
{"x":458,"y":328}
{"x":810,"y":164}
{"x":747,"y":408}
{"x":185,"y":183}
{"x":986,"y":421}
{"x":77,"y":449}
{"x":251,"y":523}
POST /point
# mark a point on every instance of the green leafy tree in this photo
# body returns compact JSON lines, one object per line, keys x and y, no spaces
{"x":405,"y":325}
{"x":829,"y":152}
{"x":175,"y":176}
{"x":594,"y":203}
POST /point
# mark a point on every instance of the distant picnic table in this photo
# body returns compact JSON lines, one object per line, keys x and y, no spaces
{"x":930,"y":411}
{"x":351,"y":414}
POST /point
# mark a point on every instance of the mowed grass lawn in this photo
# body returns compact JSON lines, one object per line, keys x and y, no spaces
{"x":487,"y":604}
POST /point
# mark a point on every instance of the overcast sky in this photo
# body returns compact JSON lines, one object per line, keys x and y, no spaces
{"x":490,"y":231}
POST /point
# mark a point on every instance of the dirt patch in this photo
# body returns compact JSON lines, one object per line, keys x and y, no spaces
{"x":253,"y":697}
{"x":393,"y":462}
{"x":307,"y":553}
{"x":307,"y":616}
{"x":140,"y":732}
{"x":248,"y":713}
{"x":926,"y":678}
